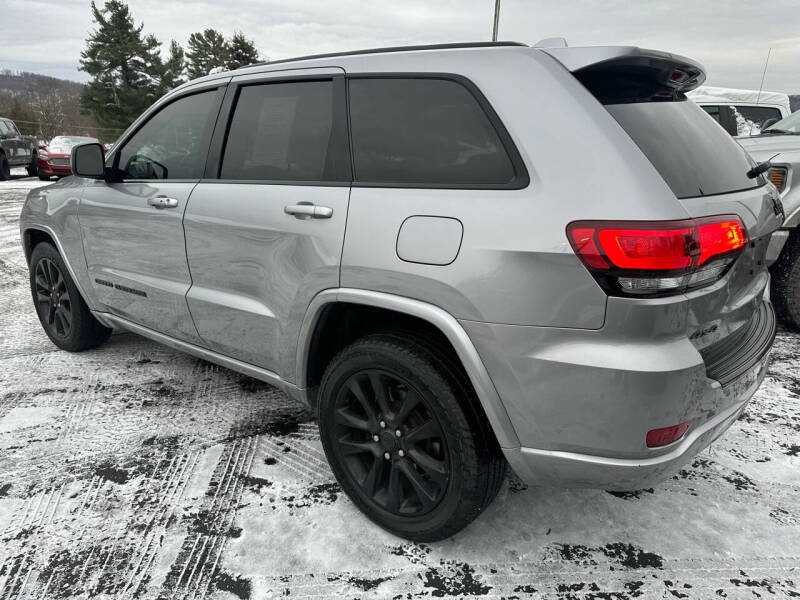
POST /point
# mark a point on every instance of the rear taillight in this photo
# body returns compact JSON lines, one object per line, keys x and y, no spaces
{"x":657,"y":257}
{"x":777,"y":176}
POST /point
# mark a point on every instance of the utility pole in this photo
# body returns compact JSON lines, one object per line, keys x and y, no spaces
{"x":496,"y":19}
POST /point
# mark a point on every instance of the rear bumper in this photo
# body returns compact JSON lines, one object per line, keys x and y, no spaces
{"x":582,"y":402}
{"x":569,"y":469}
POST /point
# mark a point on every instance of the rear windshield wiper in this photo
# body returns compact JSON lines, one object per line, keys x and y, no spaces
{"x":761,"y":167}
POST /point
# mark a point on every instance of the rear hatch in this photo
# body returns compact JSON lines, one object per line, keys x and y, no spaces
{"x":644,"y":91}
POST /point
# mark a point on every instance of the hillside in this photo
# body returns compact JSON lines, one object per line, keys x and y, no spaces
{"x":46,"y":106}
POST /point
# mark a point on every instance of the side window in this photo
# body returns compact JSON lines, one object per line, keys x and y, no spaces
{"x":751,"y":118}
{"x":712,"y":110}
{"x":3,"y":127}
{"x":423,"y":131}
{"x":284,"y":132}
{"x":173,"y":143}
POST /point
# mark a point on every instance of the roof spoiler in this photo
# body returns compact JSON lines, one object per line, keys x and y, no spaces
{"x":620,"y":74}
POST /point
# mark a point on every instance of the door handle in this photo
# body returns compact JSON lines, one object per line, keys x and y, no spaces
{"x":306,"y":210}
{"x":162,"y":202}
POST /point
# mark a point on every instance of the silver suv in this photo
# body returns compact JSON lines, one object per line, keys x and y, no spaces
{"x":460,"y":256}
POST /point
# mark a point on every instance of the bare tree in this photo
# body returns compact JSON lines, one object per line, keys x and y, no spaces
{"x":49,"y":110}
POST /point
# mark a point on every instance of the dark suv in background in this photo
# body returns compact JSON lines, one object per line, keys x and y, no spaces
{"x":16,"y":150}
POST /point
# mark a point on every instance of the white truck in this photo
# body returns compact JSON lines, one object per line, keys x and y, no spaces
{"x":742,"y":112}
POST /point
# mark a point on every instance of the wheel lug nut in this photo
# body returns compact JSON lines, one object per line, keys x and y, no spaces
{"x":387,"y":456}
{"x":375,"y":438}
{"x":383,"y":424}
{"x":400,"y":453}
{"x":398,"y":433}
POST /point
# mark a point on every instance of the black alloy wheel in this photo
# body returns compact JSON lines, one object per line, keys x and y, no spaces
{"x":406,"y":437}
{"x":52,"y":298}
{"x":64,"y":315}
{"x":391,"y":443}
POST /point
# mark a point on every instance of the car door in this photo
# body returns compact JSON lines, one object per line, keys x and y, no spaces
{"x":23,"y":150}
{"x":132,"y":224}
{"x":264,"y":230}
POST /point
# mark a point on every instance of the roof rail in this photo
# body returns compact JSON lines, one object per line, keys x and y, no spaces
{"x":389,"y":49}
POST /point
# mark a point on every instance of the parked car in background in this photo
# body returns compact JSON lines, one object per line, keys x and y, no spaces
{"x":389,"y":236}
{"x":780,"y":144}
{"x":742,"y":112}
{"x":53,"y":159}
{"x":16,"y":150}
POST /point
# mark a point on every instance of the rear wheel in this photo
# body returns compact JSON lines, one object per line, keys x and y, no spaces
{"x":406,"y":439}
{"x":33,"y":168}
{"x":785,"y":292}
{"x":5,"y":168}
{"x":64,"y":315}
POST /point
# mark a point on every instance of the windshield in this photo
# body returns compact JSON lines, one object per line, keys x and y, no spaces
{"x":790,"y":123}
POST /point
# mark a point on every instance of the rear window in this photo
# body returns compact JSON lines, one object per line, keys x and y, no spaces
{"x":694,"y":155}
{"x":424,"y":132}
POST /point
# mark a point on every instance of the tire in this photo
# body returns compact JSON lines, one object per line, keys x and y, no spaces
{"x":43,"y":177}
{"x":65,"y":317}
{"x":434,"y":433}
{"x":33,"y":168}
{"x":5,"y":168}
{"x":785,"y":292}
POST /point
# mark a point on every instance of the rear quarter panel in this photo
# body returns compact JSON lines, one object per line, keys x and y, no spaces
{"x":515,"y":264}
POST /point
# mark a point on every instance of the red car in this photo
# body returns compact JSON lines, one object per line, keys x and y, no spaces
{"x":53,"y":159}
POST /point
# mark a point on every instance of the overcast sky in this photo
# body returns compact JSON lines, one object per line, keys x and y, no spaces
{"x":730,"y":37}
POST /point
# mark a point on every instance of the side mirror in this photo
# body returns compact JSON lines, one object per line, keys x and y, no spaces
{"x":87,"y":160}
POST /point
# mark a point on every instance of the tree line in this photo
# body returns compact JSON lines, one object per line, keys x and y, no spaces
{"x":128,"y":70}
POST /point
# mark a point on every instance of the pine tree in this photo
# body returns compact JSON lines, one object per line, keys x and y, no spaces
{"x":124,"y":67}
{"x":242,"y":52}
{"x":174,"y":68}
{"x":207,"y":50}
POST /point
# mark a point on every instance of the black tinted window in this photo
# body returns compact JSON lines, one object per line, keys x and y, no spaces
{"x":423,"y":131}
{"x":173,"y":144}
{"x":694,"y":155}
{"x":713,"y":111}
{"x":282,"y":131}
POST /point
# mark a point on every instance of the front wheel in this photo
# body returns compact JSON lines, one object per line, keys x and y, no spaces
{"x":5,"y":168}
{"x":406,"y":438}
{"x":64,"y":315}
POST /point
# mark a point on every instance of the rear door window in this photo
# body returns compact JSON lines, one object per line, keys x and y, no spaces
{"x":694,"y":155}
{"x":424,"y":132}
{"x":285,"y":132}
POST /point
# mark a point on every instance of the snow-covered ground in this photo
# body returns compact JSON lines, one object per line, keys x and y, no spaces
{"x":21,"y":181}
{"x":134,"y":471}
